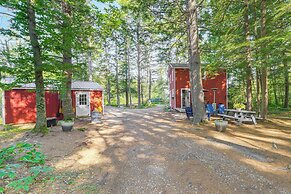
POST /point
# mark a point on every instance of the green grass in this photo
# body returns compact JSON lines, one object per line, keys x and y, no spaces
{"x":12,"y":130}
{"x":282,"y":114}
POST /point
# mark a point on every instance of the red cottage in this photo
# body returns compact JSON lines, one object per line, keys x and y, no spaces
{"x":214,"y":87}
{"x":19,"y":104}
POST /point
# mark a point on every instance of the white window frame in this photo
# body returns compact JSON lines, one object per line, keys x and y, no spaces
{"x":187,"y":89}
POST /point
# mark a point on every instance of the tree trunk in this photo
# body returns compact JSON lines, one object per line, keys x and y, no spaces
{"x":275,"y":88}
{"x":141,"y":93}
{"x":264,"y":70}
{"x":258,"y":74}
{"x":90,"y":66}
{"x":117,"y":76}
{"x":248,"y":56}
{"x":108,"y":91}
{"x":138,"y":64}
{"x":67,"y":62}
{"x":150,"y":83}
{"x":40,"y":126}
{"x":107,"y":74}
{"x":126,"y":87}
{"x":258,"y":87}
{"x":286,"y":82}
{"x":127,"y":73}
{"x":195,"y":64}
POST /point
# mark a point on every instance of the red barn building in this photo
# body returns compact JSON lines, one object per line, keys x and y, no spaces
{"x":214,"y":87}
{"x":19,"y":104}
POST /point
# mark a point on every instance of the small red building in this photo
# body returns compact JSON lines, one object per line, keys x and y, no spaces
{"x":214,"y":86}
{"x":19,"y":104}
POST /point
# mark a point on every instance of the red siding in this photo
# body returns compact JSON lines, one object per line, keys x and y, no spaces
{"x":218,"y":81}
{"x":20,"y":106}
{"x":182,"y":81}
{"x":52,"y":103}
{"x":96,"y":101}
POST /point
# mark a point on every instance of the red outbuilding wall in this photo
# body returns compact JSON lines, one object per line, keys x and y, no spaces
{"x":20,"y":105}
{"x":96,"y":101}
{"x":219,"y":81}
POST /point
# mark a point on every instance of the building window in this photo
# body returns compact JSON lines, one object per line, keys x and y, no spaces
{"x":83,"y":99}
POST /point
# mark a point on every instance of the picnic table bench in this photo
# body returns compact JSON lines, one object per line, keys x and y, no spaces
{"x":239,"y":115}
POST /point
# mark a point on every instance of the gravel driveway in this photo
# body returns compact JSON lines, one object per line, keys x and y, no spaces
{"x":148,"y":152}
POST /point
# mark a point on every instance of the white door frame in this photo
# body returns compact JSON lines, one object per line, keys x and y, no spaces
{"x":187,"y":89}
{"x":88,"y":101}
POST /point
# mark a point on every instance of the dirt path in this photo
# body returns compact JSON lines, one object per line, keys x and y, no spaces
{"x":149,"y":153}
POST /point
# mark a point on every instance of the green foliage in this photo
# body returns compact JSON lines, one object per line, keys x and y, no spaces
{"x":12,"y":130}
{"x":20,"y":166}
{"x":239,"y":106}
{"x":148,"y":105}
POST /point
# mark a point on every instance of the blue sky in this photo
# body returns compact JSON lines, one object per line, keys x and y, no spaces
{"x":4,"y":19}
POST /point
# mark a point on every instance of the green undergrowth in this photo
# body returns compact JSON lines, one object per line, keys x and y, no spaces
{"x":279,"y":112}
{"x":22,"y":165}
{"x":9,"y":131}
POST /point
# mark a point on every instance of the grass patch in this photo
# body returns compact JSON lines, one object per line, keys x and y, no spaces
{"x":280,"y":112}
{"x":167,"y":109}
{"x":9,"y":131}
{"x":81,"y":129}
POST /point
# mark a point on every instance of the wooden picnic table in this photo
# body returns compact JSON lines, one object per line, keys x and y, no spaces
{"x":239,"y":115}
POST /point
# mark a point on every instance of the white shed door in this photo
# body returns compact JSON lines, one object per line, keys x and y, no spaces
{"x":82,"y":104}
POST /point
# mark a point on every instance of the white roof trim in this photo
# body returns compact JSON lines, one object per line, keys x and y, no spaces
{"x":76,"y":85}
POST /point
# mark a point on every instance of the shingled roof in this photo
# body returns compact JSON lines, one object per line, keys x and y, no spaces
{"x":76,"y":85}
{"x":179,"y":65}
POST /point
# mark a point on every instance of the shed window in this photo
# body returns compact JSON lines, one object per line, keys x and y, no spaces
{"x":83,"y":99}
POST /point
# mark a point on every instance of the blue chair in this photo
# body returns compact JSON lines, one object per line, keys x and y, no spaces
{"x":209,"y":110}
{"x":189,"y":112}
{"x":221,"y":108}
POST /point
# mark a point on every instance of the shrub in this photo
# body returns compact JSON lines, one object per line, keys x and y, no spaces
{"x":239,"y":106}
{"x":20,"y":166}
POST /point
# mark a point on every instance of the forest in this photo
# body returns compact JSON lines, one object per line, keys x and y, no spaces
{"x":127,"y":45}
{"x":145,"y":96}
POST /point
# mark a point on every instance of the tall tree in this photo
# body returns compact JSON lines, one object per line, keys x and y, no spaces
{"x":40,"y":126}
{"x":117,"y":73}
{"x":286,"y":81}
{"x":138,"y":62}
{"x":197,"y":95}
{"x":264,"y":70}
{"x":67,"y":60}
{"x":128,"y":77}
{"x":248,"y":56}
